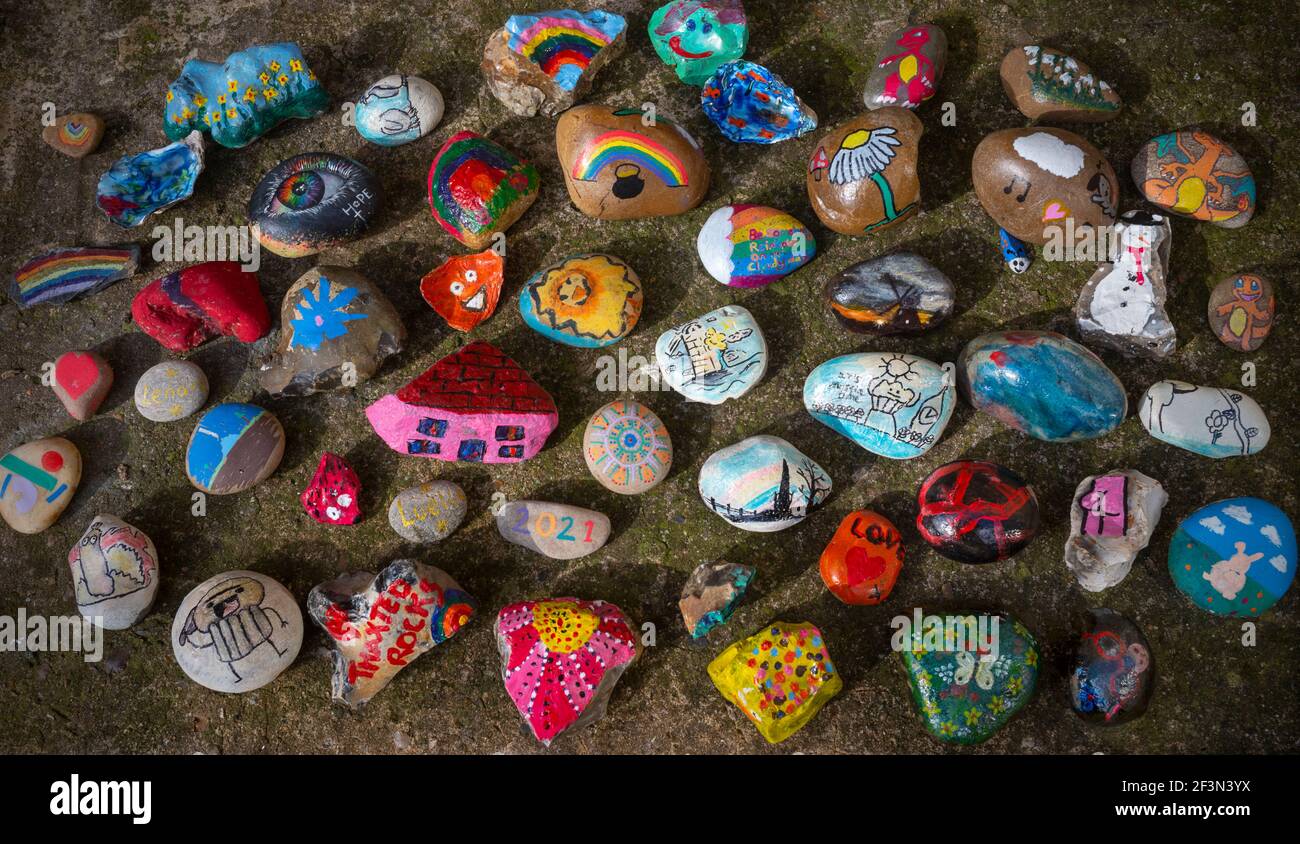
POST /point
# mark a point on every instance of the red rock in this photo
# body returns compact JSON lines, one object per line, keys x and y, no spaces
{"x":465,"y":289}
{"x":863,"y":559}
{"x":331,"y":497}
{"x":191,"y":306}
{"x":82,"y":381}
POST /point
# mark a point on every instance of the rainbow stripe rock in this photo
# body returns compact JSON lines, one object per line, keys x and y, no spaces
{"x":68,"y":273}
{"x":563,"y":43}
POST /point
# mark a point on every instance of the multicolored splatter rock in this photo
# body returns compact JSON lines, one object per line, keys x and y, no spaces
{"x":1114,"y":672}
{"x":1194,"y":174}
{"x":478,"y":188}
{"x":862,"y":561}
{"x":711,"y":594}
{"x":695,"y":37}
{"x":139,"y":185}
{"x":750,"y":104}
{"x":1212,"y":421}
{"x":627,"y":447}
{"x":62,"y":275}
{"x":114,"y":573}
{"x":187,"y":308}
{"x":753,"y":245}
{"x":233,"y":447}
{"x":1235,"y":557}
{"x":331,"y":497}
{"x":588,"y":301}
{"x":464,"y":289}
{"x":313,"y":202}
{"x":37,"y":481}
{"x":546,"y":61}
{"x":908,"y":67}
{"x":973,"y":511}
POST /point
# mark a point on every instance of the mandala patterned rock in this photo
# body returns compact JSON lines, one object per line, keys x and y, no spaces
{"x":1114,"y":672}
{"x":753,"y":245}
{"x":898,"y":293}
{"x":74,"y":135}
{"x":70,"y":273}
{"x":973,"y":511}
{"x":908,"y":68}
{"x":1111,"y":522}
{"x":558,"y":531}
{"x":588,"y":301}
{"x":1192,"y":173}
{"x":1241,"y":311}
{"x":862,"y":176}
{"x":139,"y":185}
{"x":170,"y":390}
{"x":752,"y":105}
{"x":863,"y":559}
{"x":312,"y":202}
{"x":721,"y":355}
{"x":114,"y":573}
{"x":398,"y":109}
{"x":234,"y":447}
{"x":37,"y":480}
{"x":763,"y":484}
{"x":429,"y":512}
{"x":1046,"y":84}
{"x":1213,"y":421}
{"x":464,"y":290}
{"x":82,"y":381}
{"x":560,"y":660}
{"x":1235,"y":557}
{"x":187,"y":308}
{"x":1018,"y":254}
{"x":478,"y":188}
{"x":1123,"y":305}
{"x":696,"y":37}
{"x":711,"y":594}
{"x":331,"y":496}
{"x":627,"y":447}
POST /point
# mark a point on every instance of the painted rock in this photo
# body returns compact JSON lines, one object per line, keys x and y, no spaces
{"x":380,"y":623}
{"x":114,"y":573}
{"x":899,"y":293}
{"x":973,"y":511}
{"x":721,"y":355}
{"x":1041,"y":183}
{"x":546,"y":61}
{"x":139,"y":185}
{"x":478,"y":188}
{"x":620,"y":164}
{"x":398,"y":109}
{"x":862,"y":176}
{"x":752,"y":105}
{"x":588,"y":301}
{"x":233,"y":447}
{"x":1234,"y":557}
{"x":239,"y":101}
{"x":1046,"y":84}
{"x":1018,"y":254}
{"x":82,"y":381}
{"x":170,"y":390}
{"x":74,"y":135}
{"x":711,"y":594}
{"x":1042,"y":384}
{"x":1192,"y":173}
{"x":237,"y":631}
{"x":560,"y":660}
{"x":70,"y":273}
{"x":336,"y":329}
{"x":861,"y":563}
{"x":696,"y":37}
{"x":968,"y":681}
{"x":37,"y":480}
{"x":475,"y":405}
{"x":189,"y":307}
{"x":331,"y":496}
{"x":779,"y":677}
{"x":429,"y":512}
{"x":464,"y":289}
{"x":1111,"y":522}
{"x":1241,"y":311}
{"x":627,"y":447}
{"x":1122,"y":306}
{"x":1113,"y":673}
{"x":763,"y":484}
{"x":558,"y":531}
{"x":1213,"y":421}
{"x":908,"y":67}
{"x":753,"y":245}
{"x":313,"y":202}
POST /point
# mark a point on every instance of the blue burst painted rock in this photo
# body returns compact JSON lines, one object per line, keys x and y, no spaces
{"x":752,"y":105}
{"x":763,"y":484}
{"x":1042,"y":384}
{"x":721,"y":355}
{"x":1213,"y":421}
{"x":147,"y":182}
{"x":233,"y":447}
{"x":891,"y":404}
{"x":1235,"y":557}
{"x":398,"y":109}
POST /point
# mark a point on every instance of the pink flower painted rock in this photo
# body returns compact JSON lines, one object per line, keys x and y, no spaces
{"x":331,"y":497}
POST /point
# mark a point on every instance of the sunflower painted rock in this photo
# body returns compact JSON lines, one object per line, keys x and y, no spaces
{"x":586,"y":301}
{"x":862,"y":176}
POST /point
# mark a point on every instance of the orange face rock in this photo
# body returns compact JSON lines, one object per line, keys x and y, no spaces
{"x":465,"y":289}
{"x":863,"y":559}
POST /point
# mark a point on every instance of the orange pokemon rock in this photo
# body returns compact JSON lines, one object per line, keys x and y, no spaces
{"x":863,"y":558}
{"x":465,"y":289}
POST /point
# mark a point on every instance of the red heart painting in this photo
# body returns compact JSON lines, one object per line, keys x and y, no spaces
{"x":76,"y":372}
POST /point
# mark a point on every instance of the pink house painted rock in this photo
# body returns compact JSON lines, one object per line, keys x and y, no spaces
{"x":474,"y":405}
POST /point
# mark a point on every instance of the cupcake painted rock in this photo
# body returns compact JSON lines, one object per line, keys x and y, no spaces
{"x":237,"y":631}
{"x":779,"y":677}
{"x":81,"y":381}
{"x":187,"y":308}
{"x":64,"y":274}
{"x":336,"y":330}
{"x":558,"y":531}
{"x":313,"y":202}
{"x":1122,"y":306}
{"x":139,"y":185}
{"x":476,"y":405}
{"x":711,"y":594}
{"x":398,"y":109}
{"x":1018,"y":254}
{"x":753,"y":245}
{"x":721,"y":355}
{"x":969,"y":679}
{"x":696,"y":37}
{"x":1235,"y":557}
{"x":752,"y":105}
{"x":464,"y":289}
{"x":908,"y":67}
{"x":478,"y":188}
{"x":429,"y":512}
{"x":171,"y":390}
{"x":1041,"y":384}
{"x":380,"y":623}
{"x":330,"y":498}
{"x":623,"y":164}
{"x":973,"y":511}
{"x":763,"y":484}
{"x":627,"y":447}
{"x":1041,"y":183}
{"x":1113,"y":672}
{"x":588,"y":301}
{"x":1111,"y":521}
{"x":890,"y":403}
{"x":1046,"y":84}
{"x":75,"y":135}
{"x":1193,"y":174}
{"x":862,"y":176}
{"x":898,"y":293}
{"x":37,"y":480}
{"x":1213,"y":421}
{"x":861,"y":562}
{"x":114,"y":573}
{"x":233,"y":447}
{"x":546,"y":61}
{"x":1241,"y":311}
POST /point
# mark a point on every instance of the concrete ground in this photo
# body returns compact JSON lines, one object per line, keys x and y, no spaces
{"x":1171,"y":65}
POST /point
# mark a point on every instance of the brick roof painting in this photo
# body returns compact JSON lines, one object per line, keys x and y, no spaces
{"x":477,"y":378}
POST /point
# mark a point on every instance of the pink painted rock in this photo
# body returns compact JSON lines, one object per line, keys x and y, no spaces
{"x":191,"y":306}
{"x":475,"y":405}
{"x":82,"y":381}
{"x":331,"y":497}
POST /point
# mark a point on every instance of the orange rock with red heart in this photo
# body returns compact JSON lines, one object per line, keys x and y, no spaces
{"x":82,"y":381}
{"x":863,"y":559}
{"x":465,"y":289}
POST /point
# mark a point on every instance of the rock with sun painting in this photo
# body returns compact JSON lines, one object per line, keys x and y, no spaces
{"x":430,"y":512}
{"x":464,"y":289}
{"x":312,"y":202}
{"x":233,"y":447}
{"x":973,"y":511}
{"x":82,"y":381}
{"x":862,"y":176}
{"x":898,"y":293}
{"x":331,"y":496}
{"x":721,"y":355}
{"x":398,"y":109}
{"x":863,"y":559}
{"x":753,"y":245}
{"x":1235,"y":557}
{"x":478,"y":188}
{"x":114,"y":573}
{"x":711,"y":594}
{"x":1193,"y":174}
{"x":170,"y":390}
{"x":588,"y":301}
{"x":187,"y":308}
{"x":1214,"y":421}
{"x":75,"y":135}
{"x":558,"y":531}
{"x":1241,"y":311}
{"x":763,"y":484}
{"x":1111,"y":522}
{"x":908,"y":67}
{"x":1046,"y":84}
{"x":752,"y":105}
{"x":37,"y":480}
{"x":1122,"y":306}
{"x":627,"y":447}
{"x":696,"y":37}
{"x":1113,"y":672}
{"x":336,"y":330}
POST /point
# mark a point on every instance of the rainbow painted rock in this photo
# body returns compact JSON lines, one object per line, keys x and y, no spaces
{"x":1241,"y":311}
{"x":139,"y":185}
{"x":779,"y":677}
{"x":1194,"y":174}
{"x":763,"y":484}
{"x":312,"y":202}
{"x":862,"y":561}
{"x":627,"y":447}
{"x":973,"y":511}
{"x":37,"y":480}
{"x":750,"y":104}
{"x":695,"y":37}
{"x":908,"y":67}
{"x":478,"y":188}
{"x":475,"y":405}
{"x":1046,"y":84}
{"x":711,"y":594}
{"x":1235,"y":557}
{"x":331,"y":496}
{"x":588,"y":301}
{"x":464,"y":289}
{"x":1212,"y":421}
{"x":82,"y":381}
{"x":558,"y":531}
{"x":233,"y":447}
{"x":70,"y":273}
{"x":1114,"y":673}
{"x":862,"y":176}
{"x":187,"y":308}
{"x":114,"y":573}
{"x":380,"y":623}
{"x":560,"y":660}
{"x":718,"y":356}
{"x":398,"y":109}
{"x":75,"y":135}
{"x":753,"y":245}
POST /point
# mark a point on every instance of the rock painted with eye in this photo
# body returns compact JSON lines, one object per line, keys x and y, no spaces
{"x":695,"y":37}
{"x":464,"y":290}
{"x":114,"y":573}
{"x":752,"y":105}
{"x":187,"y":308}
{"x":753,"y":245}
{"x":1122,"y":306}
{"x":1114,"y":672}
{"x":718,"y":356}
{"x":973,"y":511}
{"x":586,"y":301}
{"x":1212,"y":421}
{"x":139,"y":185}
{"x":763,"y":484}
{"x":1235,"y":557}
{"x":627,"y":447}
{"x":312,"y":202}
{"x":1241,"y":311}
{"x":331,"y":496}
{"x":898,"y":293}
{"x":908,"y":67}
{"x":478,"y":188}
{"x":1194,"y":174}
{"x":1046,"y":84}
{"x":862,"y":176}
{"x":234,"y":446}
{"x":37,"y":481}
{"x":1018,"y":254}
{"x":64,"y":274}
{"x":398,"y":109}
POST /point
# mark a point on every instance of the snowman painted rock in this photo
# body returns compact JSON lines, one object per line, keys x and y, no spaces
{"x":114,"y":573}
{"x":398,"y":109}
{"x":1213,"y":421}
{"x":1235,"y":557}
{"x":721,"y":355}
{"x":1122,"y":306}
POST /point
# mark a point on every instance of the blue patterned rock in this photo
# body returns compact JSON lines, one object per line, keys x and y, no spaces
{"x":752,"y":105}
{"x":1235,"y":557}
{"x":721,"y":355}
{"x":763,"y":484}
{"x":1214,"y":421}
{"x":398,"y":109}
{"x":147,"y":182}
{"x":1018,"y":254}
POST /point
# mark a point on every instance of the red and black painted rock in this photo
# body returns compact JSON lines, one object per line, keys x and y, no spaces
{"x":331,"y":497}
{"x":1114,"y":672}
{"x":973,"y":511}
{"x":189,"y":307}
